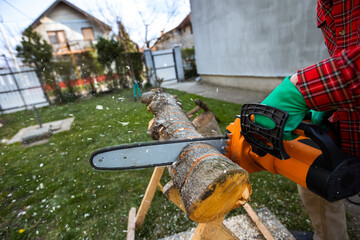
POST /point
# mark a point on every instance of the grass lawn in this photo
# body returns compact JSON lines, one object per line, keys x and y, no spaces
{"x":52,"y":192}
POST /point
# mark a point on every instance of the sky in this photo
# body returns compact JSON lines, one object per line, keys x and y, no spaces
{"x":16,"y":15}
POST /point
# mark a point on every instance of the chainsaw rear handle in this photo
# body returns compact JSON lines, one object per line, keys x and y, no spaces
{"x":332,"y":155}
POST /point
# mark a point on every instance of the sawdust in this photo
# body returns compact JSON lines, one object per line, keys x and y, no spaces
{"x":243,"y":227}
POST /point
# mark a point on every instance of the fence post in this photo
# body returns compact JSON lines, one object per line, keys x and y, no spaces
{"x":150,"y":66}
{"x":178,"y":63}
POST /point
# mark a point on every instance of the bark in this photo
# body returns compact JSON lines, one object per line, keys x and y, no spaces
{"x":206,"y":124}
{"x":209,"y":184}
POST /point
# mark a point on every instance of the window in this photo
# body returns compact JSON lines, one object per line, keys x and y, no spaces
{"x":88,"y":34}
{"x":57,"y":37}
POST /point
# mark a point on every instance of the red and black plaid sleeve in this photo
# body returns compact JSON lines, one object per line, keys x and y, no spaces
{"x":333,"y":84}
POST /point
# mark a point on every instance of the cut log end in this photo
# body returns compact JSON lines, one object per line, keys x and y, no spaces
{"x":220,"y":197}
{"x":210,"y":184}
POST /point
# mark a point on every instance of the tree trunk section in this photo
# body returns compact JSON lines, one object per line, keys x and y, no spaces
{"x":210,"y":184}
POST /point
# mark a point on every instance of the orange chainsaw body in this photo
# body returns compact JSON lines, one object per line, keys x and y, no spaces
{"x":295,"y":168}
{"x":311,"y":160}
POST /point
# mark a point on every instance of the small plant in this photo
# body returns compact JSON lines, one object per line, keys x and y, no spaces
{"x":158,"y":81}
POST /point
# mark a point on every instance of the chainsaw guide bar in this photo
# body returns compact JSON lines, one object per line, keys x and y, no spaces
{"x":148,"y":154}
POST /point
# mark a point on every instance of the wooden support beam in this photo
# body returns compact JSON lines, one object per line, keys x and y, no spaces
{"x":148,"y":196}
{"x":209,"y":230}
{"x":131,"y":225}
{"x":226,"y":234}
{"x":214,"y":230}
{"x":263,"y":229}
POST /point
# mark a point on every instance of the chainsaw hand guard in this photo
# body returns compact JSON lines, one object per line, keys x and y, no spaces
{"x":264,"y":140}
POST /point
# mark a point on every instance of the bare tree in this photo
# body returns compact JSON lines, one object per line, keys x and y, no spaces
{"x":172,"y":11}
{"x":149,"y":13}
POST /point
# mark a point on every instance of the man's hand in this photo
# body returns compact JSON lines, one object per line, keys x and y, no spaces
{"x":288,"y":98}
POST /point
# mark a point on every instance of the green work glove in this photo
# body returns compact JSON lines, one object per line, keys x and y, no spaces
{"x":287,"y":98}
{"x":317,"y":118}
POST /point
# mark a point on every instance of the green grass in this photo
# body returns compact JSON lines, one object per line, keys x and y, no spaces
{"x":52,"y":192}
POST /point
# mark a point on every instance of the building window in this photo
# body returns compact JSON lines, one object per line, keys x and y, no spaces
{"x":57,"y":37}
{"x":88,"y":34}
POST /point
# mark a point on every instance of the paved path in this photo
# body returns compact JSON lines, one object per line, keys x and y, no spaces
{"x":228,"y":94}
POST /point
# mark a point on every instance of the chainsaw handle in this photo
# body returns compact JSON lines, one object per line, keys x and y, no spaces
{"x":332,"y":155}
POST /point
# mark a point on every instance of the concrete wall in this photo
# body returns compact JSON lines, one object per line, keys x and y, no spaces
{"x":69,"y":20}
{"x":237,"y":40}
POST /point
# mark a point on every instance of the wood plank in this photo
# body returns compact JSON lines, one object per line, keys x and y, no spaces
{"x":263,"y":229}
{"x":148,"y":196}
{"x":131,"y":225}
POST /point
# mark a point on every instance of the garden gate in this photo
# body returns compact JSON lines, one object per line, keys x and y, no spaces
{"x":164,"y":64}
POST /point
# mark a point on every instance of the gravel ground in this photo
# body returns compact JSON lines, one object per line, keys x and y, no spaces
{"x":243,"y":227}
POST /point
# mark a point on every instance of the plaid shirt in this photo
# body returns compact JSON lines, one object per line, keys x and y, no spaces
{"x":333,"y":84}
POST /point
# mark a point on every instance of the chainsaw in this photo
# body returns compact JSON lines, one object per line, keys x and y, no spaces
{"x":312,"y":160}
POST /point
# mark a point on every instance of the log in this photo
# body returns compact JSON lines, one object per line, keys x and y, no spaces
{"x":200,"y":105}
{"x":206,"y":125}
{"x":210,"y":184}
{"x":170,"y":121}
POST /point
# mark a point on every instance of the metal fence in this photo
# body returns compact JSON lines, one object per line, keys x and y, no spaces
{"x":20,"y":90}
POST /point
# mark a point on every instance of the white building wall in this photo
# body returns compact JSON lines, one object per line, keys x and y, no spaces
{"x":267,"y":38}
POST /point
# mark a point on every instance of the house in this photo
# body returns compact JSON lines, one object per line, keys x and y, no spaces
{"x":254,"y":44}
{"x":63,"y":23}
{"x":181,"y":35}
